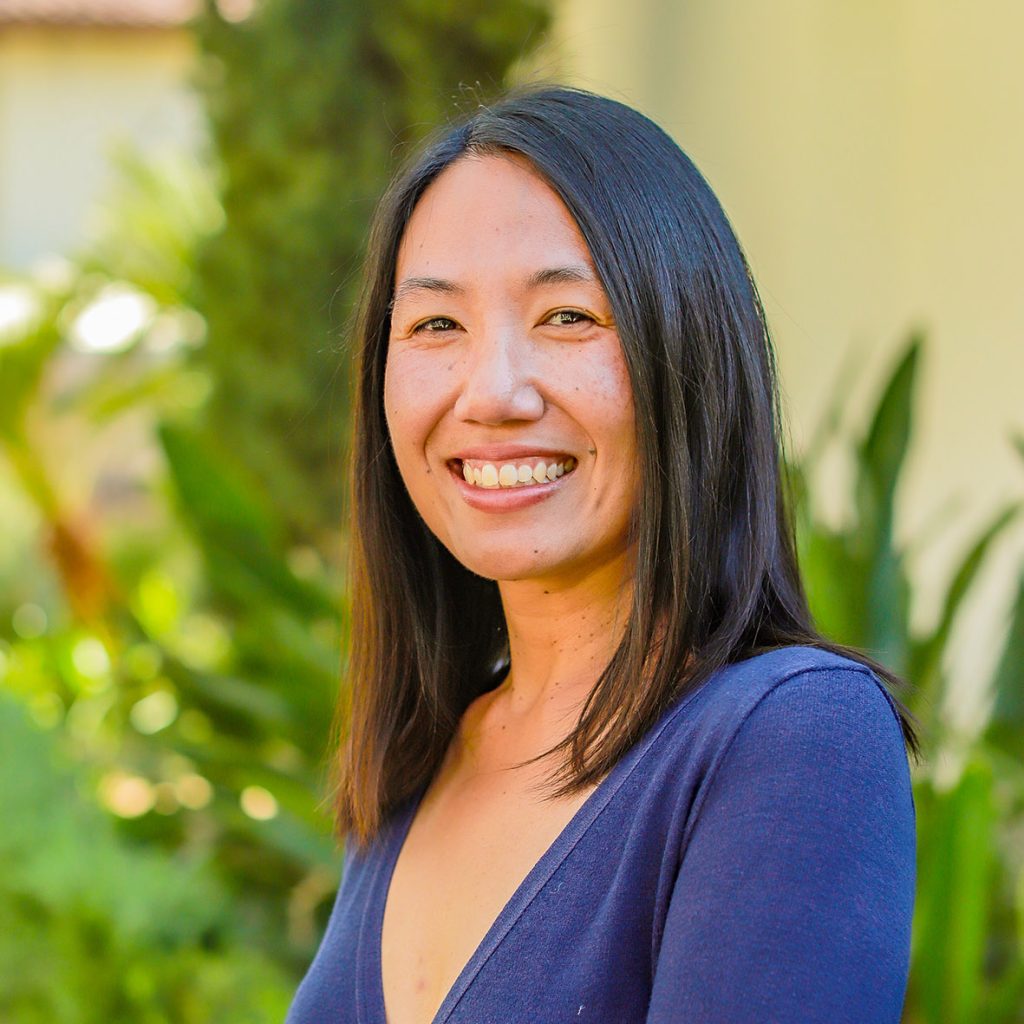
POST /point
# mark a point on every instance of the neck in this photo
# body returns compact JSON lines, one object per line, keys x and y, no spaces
{"x":561,"y":637}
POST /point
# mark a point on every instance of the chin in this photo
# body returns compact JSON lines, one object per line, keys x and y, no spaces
{"x":506,"y":570}
{"x":506,"y":563}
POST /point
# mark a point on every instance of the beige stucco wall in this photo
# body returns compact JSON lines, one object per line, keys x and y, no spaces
{"x":871,"y":158}
{"x":68,"y":98}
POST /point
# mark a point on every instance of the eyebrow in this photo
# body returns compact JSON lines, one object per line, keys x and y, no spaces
{"x":570,"y":274}
{"x":427,"y":284}
{"x":576,"y":273}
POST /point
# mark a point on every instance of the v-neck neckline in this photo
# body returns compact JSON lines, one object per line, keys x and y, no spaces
{"x":370,"y":944}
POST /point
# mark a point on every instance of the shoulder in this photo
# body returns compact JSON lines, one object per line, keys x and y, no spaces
{"x":798,"y":706}
{"x":806,"y":682}
{"x":794,"y":850}
{"x":821,"y":727}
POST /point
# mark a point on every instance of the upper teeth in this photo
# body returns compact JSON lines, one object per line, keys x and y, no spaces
{"x":515,"y":474}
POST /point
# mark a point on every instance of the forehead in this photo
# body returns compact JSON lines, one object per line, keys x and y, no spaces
{"x":488,"y":215}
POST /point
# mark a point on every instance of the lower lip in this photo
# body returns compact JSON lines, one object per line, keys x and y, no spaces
{"x":507,"y":499}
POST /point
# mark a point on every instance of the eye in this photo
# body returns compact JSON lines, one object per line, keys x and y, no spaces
{"x":436,"y":324}
{"x":568,"y":317}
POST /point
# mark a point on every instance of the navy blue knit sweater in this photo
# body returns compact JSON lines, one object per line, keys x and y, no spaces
{"x":750,"y":859}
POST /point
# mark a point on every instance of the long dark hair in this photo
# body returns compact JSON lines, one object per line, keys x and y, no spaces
{"x":716,"y":574}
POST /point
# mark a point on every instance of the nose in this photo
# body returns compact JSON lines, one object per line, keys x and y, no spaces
{"x":498,"y":385}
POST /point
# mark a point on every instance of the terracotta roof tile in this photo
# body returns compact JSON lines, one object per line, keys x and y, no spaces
{"x":116,"y":13}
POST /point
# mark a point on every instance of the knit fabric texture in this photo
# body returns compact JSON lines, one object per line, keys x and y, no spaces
{"x":750,"y":859}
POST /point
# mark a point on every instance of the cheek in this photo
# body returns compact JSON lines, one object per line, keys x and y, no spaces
{"x":604,"y":390}
{"x":410,"y":403}
{"x":612,"y":416}
{"x":623,"y":413}
{"x":393,"y":404}
{"x":621,"y":389}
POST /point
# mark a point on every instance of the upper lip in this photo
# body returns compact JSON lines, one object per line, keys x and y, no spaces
{"x":507,"y":452}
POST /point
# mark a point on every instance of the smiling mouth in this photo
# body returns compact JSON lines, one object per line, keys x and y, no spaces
{"x":526,"y":472}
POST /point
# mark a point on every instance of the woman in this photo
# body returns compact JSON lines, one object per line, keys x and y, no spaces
{"x":599,"y":765}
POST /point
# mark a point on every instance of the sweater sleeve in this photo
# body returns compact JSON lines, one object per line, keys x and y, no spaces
{"x":795,"y":892}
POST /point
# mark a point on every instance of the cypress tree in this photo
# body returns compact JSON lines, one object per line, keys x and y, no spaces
{"x":311,"y":103}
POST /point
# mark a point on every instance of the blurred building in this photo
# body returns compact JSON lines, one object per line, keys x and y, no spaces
{"x":78,"y":78}
{"x":870,"y":157}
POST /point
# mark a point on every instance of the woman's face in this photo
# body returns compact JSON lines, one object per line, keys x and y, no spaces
{"x":506,"y":392}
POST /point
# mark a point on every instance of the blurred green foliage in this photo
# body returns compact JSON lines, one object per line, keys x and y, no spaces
{"x":172,"y":613}
{"x":968,"y":936}
{"x":96,"y":929}
{"x":168,"y":858}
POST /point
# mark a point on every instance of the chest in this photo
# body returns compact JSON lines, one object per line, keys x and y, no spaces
{"x":469,"y":848}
